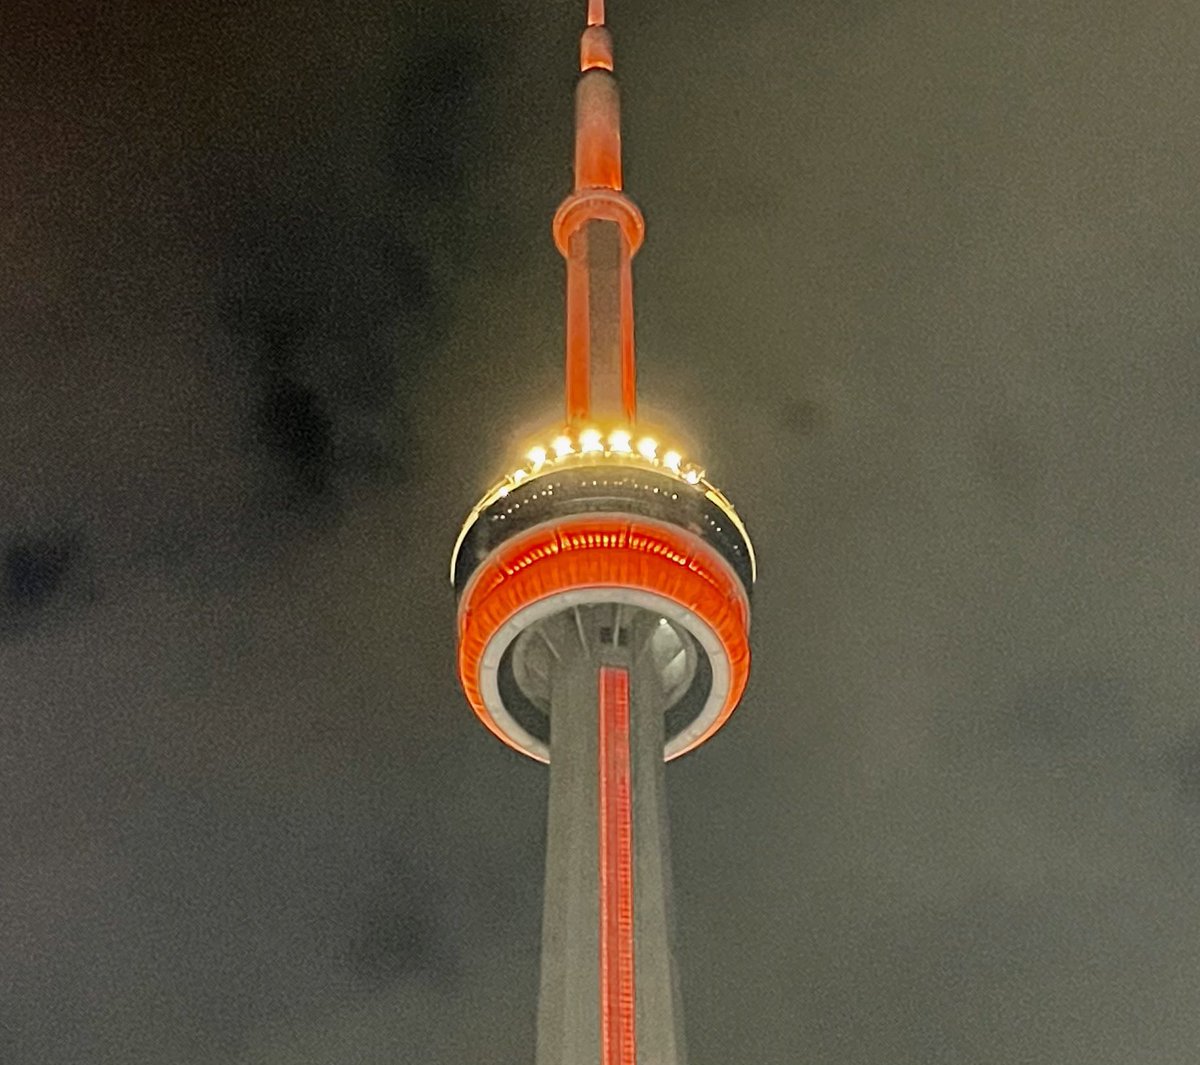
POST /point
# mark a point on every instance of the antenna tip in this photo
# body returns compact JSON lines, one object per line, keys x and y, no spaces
{"x":595,"y":13}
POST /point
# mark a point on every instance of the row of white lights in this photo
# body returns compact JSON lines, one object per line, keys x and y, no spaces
{"x":619,"y":444}
{"x":592,"y":443}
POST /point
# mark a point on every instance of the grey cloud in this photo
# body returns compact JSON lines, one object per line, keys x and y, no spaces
{"x":42,"y":576}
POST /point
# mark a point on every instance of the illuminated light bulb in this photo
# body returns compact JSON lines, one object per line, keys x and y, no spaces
{"x":537,"y":456}
{"x":589,"y":440}
{"x":648,"y":448}
{"x":519,"y":475}
{"x":562,"y":447}
{"x":692,"y":476}
{"x":671,"y":460}
{"x":618,"y":441}
{"x":503,"y":491}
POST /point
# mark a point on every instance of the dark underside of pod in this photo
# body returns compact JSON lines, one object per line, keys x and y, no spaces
{"x":603,"y":489}
{"x":531,"y":710}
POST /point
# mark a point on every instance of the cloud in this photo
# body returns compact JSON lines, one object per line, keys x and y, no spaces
{"x":42,"y":576}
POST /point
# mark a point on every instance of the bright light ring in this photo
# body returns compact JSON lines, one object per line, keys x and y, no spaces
{"x":563,"y":452}
{"x":603,"y":558}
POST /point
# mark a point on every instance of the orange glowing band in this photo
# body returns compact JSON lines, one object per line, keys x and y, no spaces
{"x":603,"y":558}
{"x":609,"y":205}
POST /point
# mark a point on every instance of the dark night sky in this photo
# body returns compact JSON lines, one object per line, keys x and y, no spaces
{"x":277,"y":294}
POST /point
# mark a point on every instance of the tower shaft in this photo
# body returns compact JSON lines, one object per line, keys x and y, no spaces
{"x":609,"y":993}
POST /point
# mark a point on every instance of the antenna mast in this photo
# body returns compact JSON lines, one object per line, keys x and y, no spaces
{"x":598,"y":230}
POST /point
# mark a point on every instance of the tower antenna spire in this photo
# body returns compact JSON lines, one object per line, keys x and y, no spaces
{"x":598,"y":230}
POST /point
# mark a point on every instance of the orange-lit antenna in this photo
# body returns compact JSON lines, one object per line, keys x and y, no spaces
{"x":599,"y":229}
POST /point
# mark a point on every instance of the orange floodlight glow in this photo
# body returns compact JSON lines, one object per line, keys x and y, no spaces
{"x":596,"y":552}
{"x":600,"y":342}
{"x":595,"y":49}
{"x":618,"y":1042}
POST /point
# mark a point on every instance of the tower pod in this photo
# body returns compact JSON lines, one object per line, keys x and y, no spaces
{"x":627,"y":554}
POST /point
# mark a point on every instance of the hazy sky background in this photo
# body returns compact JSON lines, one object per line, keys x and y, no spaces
{"x":278,"y":298}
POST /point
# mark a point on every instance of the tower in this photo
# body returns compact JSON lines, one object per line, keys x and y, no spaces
{"x":603,"y":618}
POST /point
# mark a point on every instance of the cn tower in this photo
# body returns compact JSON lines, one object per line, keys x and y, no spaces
{"x":603,"y":618}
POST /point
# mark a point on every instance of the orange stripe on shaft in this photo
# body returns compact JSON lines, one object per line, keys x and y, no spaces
{"x":617,"y":1030}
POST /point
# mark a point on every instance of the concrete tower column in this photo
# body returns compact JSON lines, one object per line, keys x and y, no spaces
{"x":593,"y":644}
